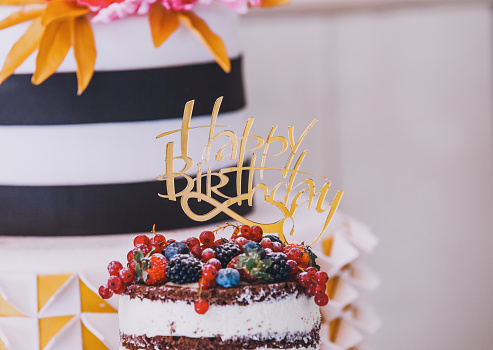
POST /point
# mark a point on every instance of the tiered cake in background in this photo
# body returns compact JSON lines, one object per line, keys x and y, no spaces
{"x":77,"y":173}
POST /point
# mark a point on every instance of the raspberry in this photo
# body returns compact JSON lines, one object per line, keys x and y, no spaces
{"x":184,"y":268}
{"x":304,"y":279}
{"x":127,"y":275}
{"x":207,"y":254}
{"x":226,"y":252}
{"x":156,"y":273}
{"x":207,"y":237}
{"x":294,"y":267}
{"x":114,"y":267}
{"x":141,"y":239}
{"x":201,"y":306}
{"x":320,"y":278}
{"x":209,"y":272}
{"x":114,"y":282}
{"x":192,"y":242}
{"x":105,"y":292}
{"x":197,"y":251}
{"x":321,"y":300}
{"x":266,"y":243}
{"x":228,"y":277}
{"x":256,"y":233}
{"x":214,"y":262}
{"x":295,"y":254}
{"x":279,"y":270}
{"x":175,"y":248}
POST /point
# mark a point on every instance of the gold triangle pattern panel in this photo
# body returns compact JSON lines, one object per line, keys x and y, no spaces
{"x":90,"y":341}
{"x":2,"y":345}
{"x":91,"y":302}
{"x":47,"y":287}
{"x":49,"y":327}
{"x":7,"y":309}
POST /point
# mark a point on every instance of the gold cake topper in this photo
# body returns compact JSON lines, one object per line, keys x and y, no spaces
{"x":237,"y":147}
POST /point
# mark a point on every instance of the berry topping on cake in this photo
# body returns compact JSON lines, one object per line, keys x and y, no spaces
{"x":201,"y":306}
{"x":279,"y":269}
{"x":114,"y":268}
{"x":141,"y":239}
{"x":209,"y":272}
{"x":114,"y":282}
{"x":273,"y":238}
{"x":175,"y":248}
{"x":184,"y":268}
{"x":105,"y":292}
{"x":207,"y":238}
{"x":228,"y":277}
{"x":127,"y":275}
{"x":249,"y":246}
{"x":155,"y":273}
{"x":226,"y":252}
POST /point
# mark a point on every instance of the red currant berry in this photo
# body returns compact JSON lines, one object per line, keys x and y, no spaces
{"x":114,"y":267}
{"x":132,"y":264}
{"x":320,"y":290}
{"x":241,"y":241}
{"x":245,"y":231}
{"x":321,"y":300}
{"x":208,"y":254}
{"x":303,"y":265}
{"x":120,"y":290}
{"x":206,"y":284}
{"x":277,"y":247}
{"x":219,"y":241}
{"x":143,"y":248}
{"x":266,"y":243}
{"x":294,"y":267}
{"x":130,"y":255}
{"x":304,"y":279}
{"x":215,"y":262}
{"x":207,"y":245}
{"x":257,"y":233}
{"x":197,"y":251}
{"x":209,"y":272}
{"x":158,"y":248}
{"x":114,"y":282}
{"x":105,"y":292}
{"x":158,"y":239}
{"x":169,"y":241}
{"x":207,"y":237}
{"x":295,"y":254}
{"x":141,"y":239}
{"x":320,"y":278}
{"x":127,"y":275}
{"x":310,"y":289}
{"x":192,"y":242}
{"x":311,"y":270}
{"x":201,"y":306}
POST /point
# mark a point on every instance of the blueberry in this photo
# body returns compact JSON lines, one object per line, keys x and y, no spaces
{"x":228,"y":277}
{"x":249,"y":246}
{"x":175,"y":248}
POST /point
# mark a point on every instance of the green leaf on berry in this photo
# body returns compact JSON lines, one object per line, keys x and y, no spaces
{"x":138,"y":256}
{"x":138,"y":270}
{"x":266,"y":263}
{"x":312,"y":256}
{"x":250,"y":264}
{"x":242,"y":259}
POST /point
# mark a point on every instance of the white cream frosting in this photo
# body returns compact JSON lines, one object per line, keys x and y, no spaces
{"x":271,"y":319}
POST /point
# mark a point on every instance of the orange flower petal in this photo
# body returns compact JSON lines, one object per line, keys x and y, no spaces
{"x":53,"y":48}
{"x":163,"y":23}
{"x":272,"y":3}
{"x":213,"y":42}
{"x":19,"y":17}
{"x":21,"y":2}
{"x":61,"y":9}
{"x":22,"y":49}
{"x":84,"y":52}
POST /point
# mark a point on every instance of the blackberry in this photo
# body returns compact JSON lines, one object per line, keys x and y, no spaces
{"x":279,"y":270}
{"x":184,"y":268}
{"x":226,"y":252}
{"x":274,"y":239}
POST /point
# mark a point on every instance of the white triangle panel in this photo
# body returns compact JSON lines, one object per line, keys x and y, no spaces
{"x":104,"y":326}
{"x":69,"y":337}
{"x":20,"y":290}
{"x":65,"y":301}
{"x":19,"y":333}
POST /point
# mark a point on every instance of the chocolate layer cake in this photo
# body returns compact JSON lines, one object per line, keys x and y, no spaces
{"x":253,"y":316}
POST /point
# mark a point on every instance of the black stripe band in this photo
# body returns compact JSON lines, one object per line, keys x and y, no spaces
{"x":121,"y":96}
{"x":99,"y":209}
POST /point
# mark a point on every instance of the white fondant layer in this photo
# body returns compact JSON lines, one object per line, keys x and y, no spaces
{"x":127,"y":43}
{"x":266,"y":320}
{"x":103,"y":153}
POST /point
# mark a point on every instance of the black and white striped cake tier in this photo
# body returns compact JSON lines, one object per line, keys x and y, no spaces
{"x":87,"y":165}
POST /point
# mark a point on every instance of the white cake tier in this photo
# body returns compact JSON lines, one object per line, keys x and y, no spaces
{"x":127,"y":43}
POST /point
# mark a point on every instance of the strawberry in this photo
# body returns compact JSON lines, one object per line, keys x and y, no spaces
{"x":155,"y":274}
{"x":244,"y":274}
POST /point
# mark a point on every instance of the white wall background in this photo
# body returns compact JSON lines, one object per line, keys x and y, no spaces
{"x":404,"y":99}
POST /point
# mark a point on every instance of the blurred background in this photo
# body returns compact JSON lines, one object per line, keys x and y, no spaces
{"x":403,"y":92}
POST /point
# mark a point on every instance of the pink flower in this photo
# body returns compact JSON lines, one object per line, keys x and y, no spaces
{"x":178,"y":5}
{"x":122,"y":9}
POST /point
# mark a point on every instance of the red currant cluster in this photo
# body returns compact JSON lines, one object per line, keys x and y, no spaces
{"x":315,"y":283}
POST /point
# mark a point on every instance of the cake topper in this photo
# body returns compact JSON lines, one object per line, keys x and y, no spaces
{"x":235,"y":149}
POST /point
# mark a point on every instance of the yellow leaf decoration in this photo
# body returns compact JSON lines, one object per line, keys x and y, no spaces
{"x":53,"y":48}
{"x":21,"y":2}
{"x":19,"y":17}
{"x":163,"y":23}
{"x":213,"y":42}
{"x":22,"y":49}
{"x":272,"y":3}
{"x":61,"y":9}
{"x":84,"y":52}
